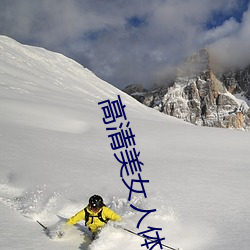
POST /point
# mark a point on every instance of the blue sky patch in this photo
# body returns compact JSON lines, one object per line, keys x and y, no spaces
{"x":136,"y":21}
{"x":219,"y":17}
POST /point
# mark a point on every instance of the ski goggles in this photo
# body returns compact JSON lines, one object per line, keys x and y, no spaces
{"x":94,"y":208}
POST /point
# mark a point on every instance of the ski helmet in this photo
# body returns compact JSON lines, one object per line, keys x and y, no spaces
{"x":95,"y":202}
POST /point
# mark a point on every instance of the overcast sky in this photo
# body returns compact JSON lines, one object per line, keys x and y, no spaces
{"x":131,"y":41}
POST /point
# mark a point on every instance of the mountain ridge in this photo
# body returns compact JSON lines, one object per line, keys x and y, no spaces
{"x":201,"y":95}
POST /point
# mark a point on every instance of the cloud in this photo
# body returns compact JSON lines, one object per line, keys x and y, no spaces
{"x":123,"y":42}
{"x":228,"y":28}
{"x":233,"y":49}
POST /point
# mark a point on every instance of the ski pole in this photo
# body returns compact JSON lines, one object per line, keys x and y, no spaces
{"x":149,"y":239}
{"x":45,"y":228}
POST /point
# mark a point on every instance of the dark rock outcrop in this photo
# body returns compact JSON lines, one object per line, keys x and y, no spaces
{"x":199,"y":96}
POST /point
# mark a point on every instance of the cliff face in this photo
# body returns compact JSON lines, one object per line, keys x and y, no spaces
{"x":201,"y":97}
{"x":237,"y":81}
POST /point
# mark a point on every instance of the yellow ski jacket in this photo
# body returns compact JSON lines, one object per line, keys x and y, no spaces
{"x":94,"y":223}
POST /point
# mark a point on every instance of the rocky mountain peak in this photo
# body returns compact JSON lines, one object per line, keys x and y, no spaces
{"x":196,"y":64}
{"x":202,"y":97}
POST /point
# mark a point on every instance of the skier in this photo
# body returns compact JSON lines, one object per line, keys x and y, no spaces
{"x":95,"y":214}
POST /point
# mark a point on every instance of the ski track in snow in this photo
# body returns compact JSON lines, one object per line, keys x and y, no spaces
{"x":36,"y":205}
{"x":40,"y":204}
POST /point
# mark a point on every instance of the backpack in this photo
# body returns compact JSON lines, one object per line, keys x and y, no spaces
{"x":99,"y":216}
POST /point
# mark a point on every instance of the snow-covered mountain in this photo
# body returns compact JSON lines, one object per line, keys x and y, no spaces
{"x":55,"y":153}
{"x":201,"y":95}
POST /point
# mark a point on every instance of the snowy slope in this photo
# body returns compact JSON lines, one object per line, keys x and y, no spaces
{"x":55,"y":153}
